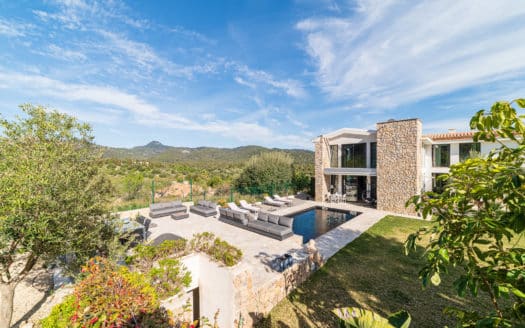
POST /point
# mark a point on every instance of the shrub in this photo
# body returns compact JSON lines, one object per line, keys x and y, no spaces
{"x":60,"y":314}
{"x":266,"y":172}
{"x":109,"y":296}
{"x":169,"y":277}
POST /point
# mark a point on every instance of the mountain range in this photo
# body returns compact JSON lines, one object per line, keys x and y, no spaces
{"x":156,"y":151}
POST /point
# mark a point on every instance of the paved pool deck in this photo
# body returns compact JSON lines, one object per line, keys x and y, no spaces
{"x":259,"y":251}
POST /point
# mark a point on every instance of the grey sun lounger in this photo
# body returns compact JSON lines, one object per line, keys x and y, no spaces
{"x":245,"y":205}
{"x":282,"y":199}
{"x":273,"y":202}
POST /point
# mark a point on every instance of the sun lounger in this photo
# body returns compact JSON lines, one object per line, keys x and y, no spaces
{"x":249,"y":207}
{"x":282,"y":199}
{"x":234,"y":207}
{"x":273,"y":202}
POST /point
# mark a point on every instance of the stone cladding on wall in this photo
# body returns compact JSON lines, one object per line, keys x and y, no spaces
{"x":398,"y":164}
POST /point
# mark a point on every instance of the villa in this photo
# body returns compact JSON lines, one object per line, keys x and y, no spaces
{"x":388,"y":164}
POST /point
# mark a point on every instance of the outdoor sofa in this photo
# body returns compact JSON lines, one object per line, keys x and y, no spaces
{"x":270,"y":225}
{"x":204,"y":208}
{"x":164,"y":209}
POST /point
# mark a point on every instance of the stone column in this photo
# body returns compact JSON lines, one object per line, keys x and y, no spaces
{"x":399,"y":164}
{"x":322,"y":160}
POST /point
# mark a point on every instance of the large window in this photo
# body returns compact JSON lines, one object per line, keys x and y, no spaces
{"x":354,"y":155}
{"x":334,"y":160}
{"x":373,"y":155}
{"x":467,"y":150}
{"x":441,"y":155}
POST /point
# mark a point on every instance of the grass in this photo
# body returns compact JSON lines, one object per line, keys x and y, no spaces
{"x":373,"y":273}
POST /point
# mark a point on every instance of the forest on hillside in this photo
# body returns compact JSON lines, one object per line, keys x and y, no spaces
{"x":161,"y":173}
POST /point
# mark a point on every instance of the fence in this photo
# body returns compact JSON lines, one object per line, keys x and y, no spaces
{"x":220,"y":195}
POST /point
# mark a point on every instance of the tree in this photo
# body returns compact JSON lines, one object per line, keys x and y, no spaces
{"x":53,"y":201}
{"x":266,"y":172}
{"x":133,"y":183}
{"x":478,"y":221}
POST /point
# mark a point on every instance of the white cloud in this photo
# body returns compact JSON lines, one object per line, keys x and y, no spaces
{"x":13,"y":29}
{"x":144,"y":112}
{"x":392,"y":52}
{"x":251,"y":77}
{"x":63,"y":54}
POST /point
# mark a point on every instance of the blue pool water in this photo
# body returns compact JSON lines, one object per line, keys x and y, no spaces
{"x":316,"y":221}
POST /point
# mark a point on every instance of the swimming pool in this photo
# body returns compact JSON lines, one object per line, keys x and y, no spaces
{"x":318,"y":220}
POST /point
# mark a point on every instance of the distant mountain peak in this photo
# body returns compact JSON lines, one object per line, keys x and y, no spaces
{"x":155,"y":144}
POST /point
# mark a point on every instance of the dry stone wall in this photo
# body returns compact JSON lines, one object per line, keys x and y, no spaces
{"x":398,"y":164}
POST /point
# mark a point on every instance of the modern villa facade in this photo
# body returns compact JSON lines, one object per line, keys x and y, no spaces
{"x":389,"y":164}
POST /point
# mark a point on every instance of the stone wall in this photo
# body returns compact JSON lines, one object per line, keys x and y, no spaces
{"x":322,"y":161}
{"x":398,"y":164}
{"x":255,"y":302}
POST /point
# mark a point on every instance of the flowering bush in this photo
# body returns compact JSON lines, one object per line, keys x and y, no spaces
{"x":110,"y":296}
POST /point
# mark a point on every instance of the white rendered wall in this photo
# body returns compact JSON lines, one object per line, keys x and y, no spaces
{"x":215,"y":285}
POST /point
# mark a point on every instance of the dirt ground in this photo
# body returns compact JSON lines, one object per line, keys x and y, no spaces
{"x":34,"y":298}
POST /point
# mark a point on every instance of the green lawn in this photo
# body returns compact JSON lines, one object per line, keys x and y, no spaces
{"x":371,"y":272}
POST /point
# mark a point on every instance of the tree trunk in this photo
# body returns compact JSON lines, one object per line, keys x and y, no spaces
{"x":7,"y":293}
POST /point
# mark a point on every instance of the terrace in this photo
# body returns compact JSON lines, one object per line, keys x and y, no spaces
{"x":256,"y":285}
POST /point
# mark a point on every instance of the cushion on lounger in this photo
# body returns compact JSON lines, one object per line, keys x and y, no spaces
{"x":272,"y":218}
{"x":285,"y":221}
{"x":262,"y":217}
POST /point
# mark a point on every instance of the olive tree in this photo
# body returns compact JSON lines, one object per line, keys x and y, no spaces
{"x":478,"y":221}
{"x":53,"y":201}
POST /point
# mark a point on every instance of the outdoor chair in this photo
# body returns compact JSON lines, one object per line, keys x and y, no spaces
{"x":234,"y":207}
{"x":245,"y":205}
{"x":273,"y":202}
{"x":282,"y":199}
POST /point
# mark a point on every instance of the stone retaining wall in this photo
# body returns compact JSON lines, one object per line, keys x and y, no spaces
{"x":254,"y":303}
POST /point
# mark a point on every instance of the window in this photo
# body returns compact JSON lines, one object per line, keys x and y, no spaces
{"x":438,"y":184}
{"x":354,"y":155}
{"x":441,"y":155}
{"x":334,"y":159}
{"x":468,"y":150}
{"x":373,"y":155}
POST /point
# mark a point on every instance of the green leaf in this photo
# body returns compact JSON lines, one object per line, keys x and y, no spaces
{"x":400,"y":319}
{"x":443,"y":253}
{"x":520,"y":102}
{"x":435,"y":279}
{"x":518,"y":292}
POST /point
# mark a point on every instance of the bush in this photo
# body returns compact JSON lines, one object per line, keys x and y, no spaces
{"x":60,"y":314}
{"x":109,"y":296}
{"x":169,"y":277}
{"x":266,"y":172}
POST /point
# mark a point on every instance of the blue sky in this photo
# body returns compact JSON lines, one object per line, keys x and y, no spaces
{"x":270,"y":73}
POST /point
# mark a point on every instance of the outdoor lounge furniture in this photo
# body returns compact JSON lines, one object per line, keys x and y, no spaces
{"x":282,"y":199}
{"x":234,"y":207}
{"x":273,"y":202}
{"x":274,"y":226}
{"x":245,"y":205}
{"x":164,"y":209}
{"x":204,"y":208}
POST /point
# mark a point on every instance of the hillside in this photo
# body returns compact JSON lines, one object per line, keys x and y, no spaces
{"x":156,"y":151}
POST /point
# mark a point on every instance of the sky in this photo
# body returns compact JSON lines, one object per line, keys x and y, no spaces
{"x":270,"y":73}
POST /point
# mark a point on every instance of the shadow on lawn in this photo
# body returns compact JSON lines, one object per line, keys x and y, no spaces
{"x":373,"y":273}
